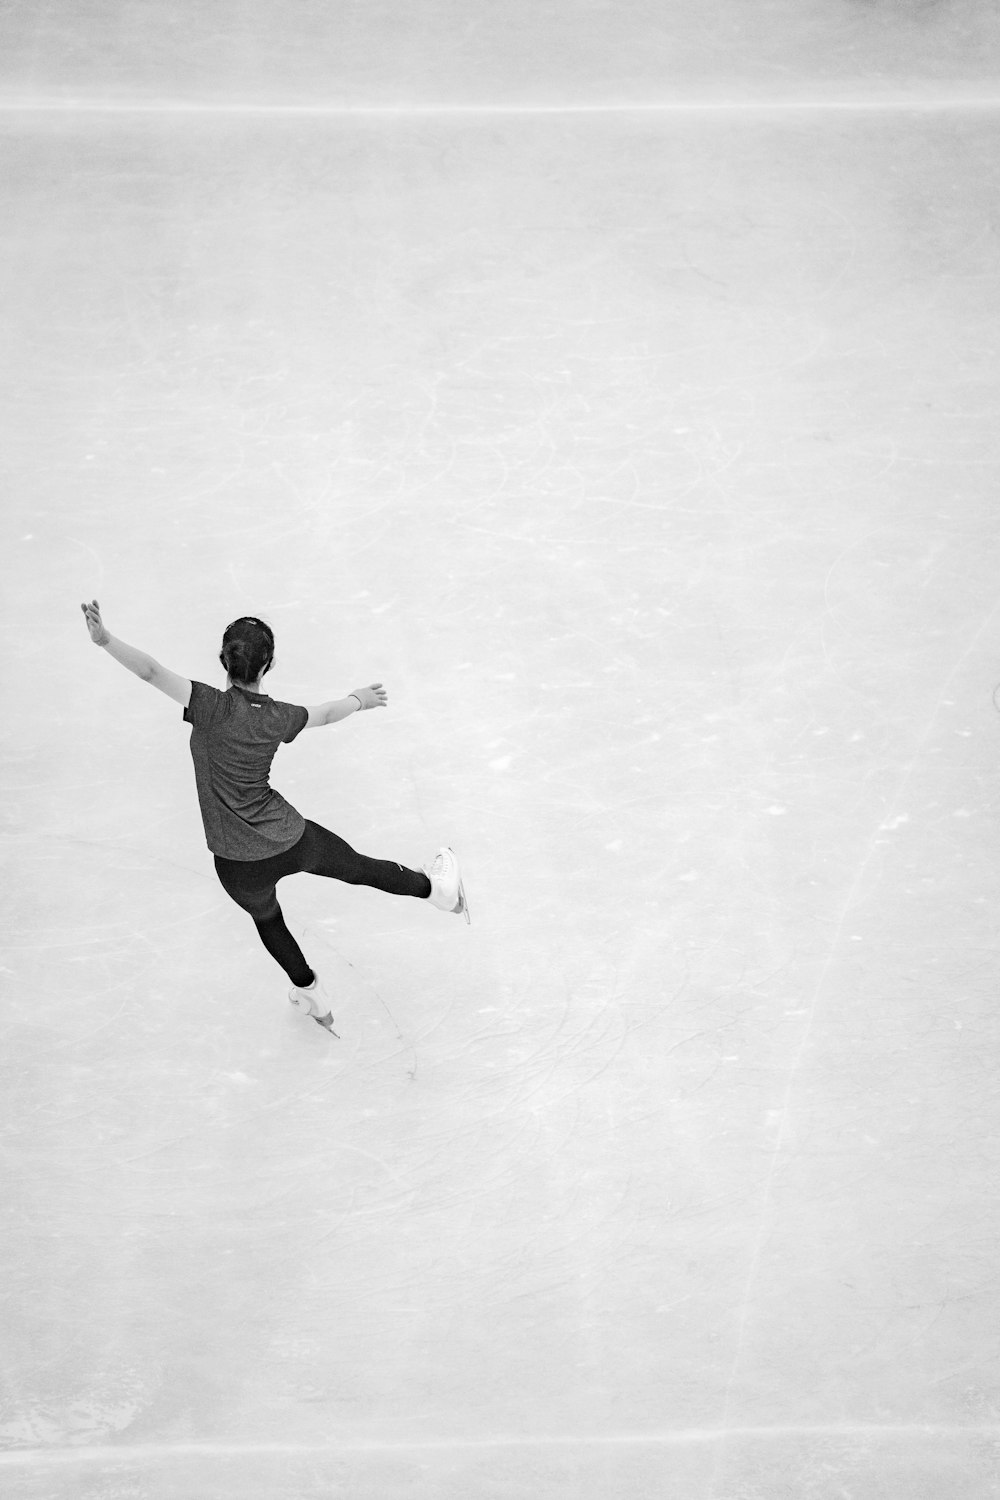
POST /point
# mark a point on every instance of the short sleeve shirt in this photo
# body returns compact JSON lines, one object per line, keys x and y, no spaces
{"x":234,"y":737}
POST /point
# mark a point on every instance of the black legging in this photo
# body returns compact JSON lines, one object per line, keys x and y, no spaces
{"x":251,"y":883}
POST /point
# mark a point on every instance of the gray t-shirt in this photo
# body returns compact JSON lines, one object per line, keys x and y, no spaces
{"x":234,"y":738}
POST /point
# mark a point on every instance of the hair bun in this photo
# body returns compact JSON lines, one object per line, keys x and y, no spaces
{"x":247,"y":649}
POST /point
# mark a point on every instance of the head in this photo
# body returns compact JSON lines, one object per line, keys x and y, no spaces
{"x":247,"y":650}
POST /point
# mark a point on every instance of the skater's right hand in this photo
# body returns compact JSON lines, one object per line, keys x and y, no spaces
{"x":99,"y":633}
{"x":370,"y":697}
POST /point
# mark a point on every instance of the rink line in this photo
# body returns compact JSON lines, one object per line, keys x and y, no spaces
{"x":156,"y":1453}
{"x":901,"y":104}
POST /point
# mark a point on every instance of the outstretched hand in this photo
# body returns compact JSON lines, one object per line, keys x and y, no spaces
{"x":371,"y":697}
{"x":98,"y":633}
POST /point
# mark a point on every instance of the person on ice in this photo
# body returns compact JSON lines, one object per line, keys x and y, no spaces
{"x":257,"y":837}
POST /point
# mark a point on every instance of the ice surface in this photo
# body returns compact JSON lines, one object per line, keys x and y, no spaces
{"x":650,"y":461}
{"x":363,"y":54}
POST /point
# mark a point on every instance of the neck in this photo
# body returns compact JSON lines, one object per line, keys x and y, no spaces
{"x":248,"y":687}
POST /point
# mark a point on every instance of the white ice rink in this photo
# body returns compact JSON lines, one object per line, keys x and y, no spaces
{"x":619,"y":385}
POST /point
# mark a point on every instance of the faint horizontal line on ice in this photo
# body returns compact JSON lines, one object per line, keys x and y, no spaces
{"x":686,"y":1437}
{"x":896,"y":104}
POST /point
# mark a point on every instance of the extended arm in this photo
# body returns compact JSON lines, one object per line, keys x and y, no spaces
{"x":130,"y":656}
{"x":342,"y":708}
{"x":145,"y":667}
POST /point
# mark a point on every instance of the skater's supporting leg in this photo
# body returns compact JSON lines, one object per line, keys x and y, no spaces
{"x":324,"y":853}
{"x":251,"y":884}
{"x":285,"y":950}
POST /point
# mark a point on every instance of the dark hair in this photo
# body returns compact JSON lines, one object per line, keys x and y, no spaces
{"x":247,"y":649}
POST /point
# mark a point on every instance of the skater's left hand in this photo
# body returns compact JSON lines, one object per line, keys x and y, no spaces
{"x":92,"y":613}
{"x":371,"y":697}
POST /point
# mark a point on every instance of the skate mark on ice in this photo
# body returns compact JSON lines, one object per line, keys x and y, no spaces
{"x":784,"y":1110}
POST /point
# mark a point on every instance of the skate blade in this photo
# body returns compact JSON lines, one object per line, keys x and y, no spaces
{"x":464,"y":906}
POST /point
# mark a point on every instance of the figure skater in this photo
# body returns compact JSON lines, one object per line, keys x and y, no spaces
{"x":256,"y":836}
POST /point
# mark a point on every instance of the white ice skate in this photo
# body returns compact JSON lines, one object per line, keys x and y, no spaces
{"x":447,"y":886}
{"x":314,"y":1002}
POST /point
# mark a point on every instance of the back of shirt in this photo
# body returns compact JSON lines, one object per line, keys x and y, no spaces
{"x":234,"y":738}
